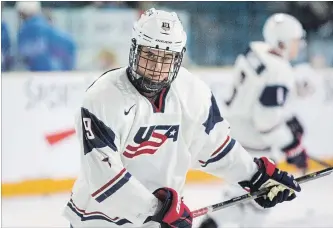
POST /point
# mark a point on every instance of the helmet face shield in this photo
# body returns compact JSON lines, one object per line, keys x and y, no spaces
{"x":155,"y":64}
{"x":153,"y":69}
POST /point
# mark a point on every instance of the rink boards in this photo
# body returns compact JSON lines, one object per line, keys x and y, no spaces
{"x":39,"y":148}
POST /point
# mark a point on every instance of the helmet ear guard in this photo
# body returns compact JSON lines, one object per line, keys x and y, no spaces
{"x":133,"y":50}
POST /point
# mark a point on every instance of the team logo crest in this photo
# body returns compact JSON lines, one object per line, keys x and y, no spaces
{"x":165,"y":26}
{"x":149,"y":139}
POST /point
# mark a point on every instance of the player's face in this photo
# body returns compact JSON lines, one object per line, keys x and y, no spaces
{"x":155,"y":64}
{"x":294,"y":48}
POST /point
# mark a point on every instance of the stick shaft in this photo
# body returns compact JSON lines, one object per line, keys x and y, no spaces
{"x":257,"y":194}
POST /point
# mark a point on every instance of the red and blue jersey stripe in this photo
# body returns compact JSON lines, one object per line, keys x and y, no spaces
{"x":95,"y":215}
{"x":222,"y":151}
{"x":112,"y":186}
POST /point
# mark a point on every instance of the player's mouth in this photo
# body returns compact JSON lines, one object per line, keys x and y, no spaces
{"x":155,"y":77}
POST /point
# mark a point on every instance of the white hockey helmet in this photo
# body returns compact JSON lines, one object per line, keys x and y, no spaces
{"x":28,"y":7}
{"x":162,"y":31}
{"x":283,"y":28}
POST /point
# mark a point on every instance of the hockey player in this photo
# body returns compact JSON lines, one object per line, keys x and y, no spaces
{"x":142,"y":127}
{"x":258,"y":109}
{"x":41,"y":46}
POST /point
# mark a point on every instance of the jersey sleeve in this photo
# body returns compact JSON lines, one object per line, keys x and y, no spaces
{"x":110,"y":184}
{"x":215,"y":151}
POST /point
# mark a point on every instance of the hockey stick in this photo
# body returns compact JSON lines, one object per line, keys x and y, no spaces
{"x":257,"y":194}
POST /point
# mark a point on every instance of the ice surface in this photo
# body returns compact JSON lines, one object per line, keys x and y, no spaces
{"x":312,"y":208}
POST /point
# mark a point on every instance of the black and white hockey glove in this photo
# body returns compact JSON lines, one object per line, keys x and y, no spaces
{"x":268,"y":175}
{"x":295,"y":152}
{"x":174,"y":213}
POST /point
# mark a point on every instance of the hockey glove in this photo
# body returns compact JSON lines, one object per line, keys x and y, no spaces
{"x":295,"y":153}
{"x":267,"y":176}
{"x":174,"y":212}
{"x":300,"y":160}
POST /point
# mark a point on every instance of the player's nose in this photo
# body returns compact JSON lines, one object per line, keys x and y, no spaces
{"x":158,"y":66}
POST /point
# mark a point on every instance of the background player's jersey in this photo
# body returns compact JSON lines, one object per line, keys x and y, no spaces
{"x":258,"y":106}
{"x":130,"y":147}
{"x":44,"y":47}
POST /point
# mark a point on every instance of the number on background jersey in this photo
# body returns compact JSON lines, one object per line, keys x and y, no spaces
{"x":87,"y":127}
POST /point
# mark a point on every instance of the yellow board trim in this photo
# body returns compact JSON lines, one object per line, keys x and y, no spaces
{"x":51,"y":186}
{"x":195,"y":176}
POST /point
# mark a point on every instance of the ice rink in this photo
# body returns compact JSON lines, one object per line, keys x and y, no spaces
{"x":313,"y":207}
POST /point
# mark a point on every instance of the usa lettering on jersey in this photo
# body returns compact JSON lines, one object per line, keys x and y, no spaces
{"x":149,"y":139}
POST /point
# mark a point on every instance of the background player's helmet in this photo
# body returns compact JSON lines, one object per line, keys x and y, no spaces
{"x":282,"y":28}
{"x":163,"y":32}
{"x":28,"y":7}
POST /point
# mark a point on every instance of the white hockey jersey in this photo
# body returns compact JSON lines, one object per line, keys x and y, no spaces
{"x":259,"y":106}
{"x":129,"y":148}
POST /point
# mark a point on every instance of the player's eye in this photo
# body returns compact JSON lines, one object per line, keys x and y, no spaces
{"x":167,"y":59}
{"x":151,"y":56}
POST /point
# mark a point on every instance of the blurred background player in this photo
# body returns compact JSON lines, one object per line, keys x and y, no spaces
{"x":42,"y":47}
{"x":5,"y":47}
{"x":264,"y":87}
{"x":259,"y":108}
